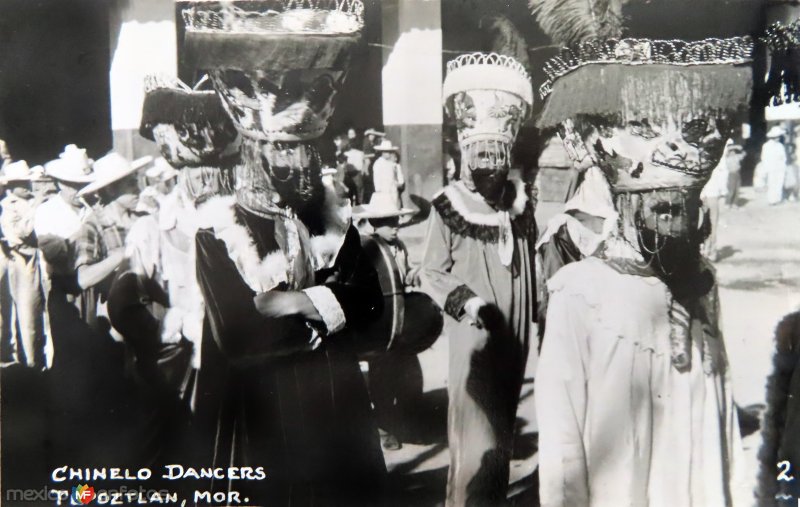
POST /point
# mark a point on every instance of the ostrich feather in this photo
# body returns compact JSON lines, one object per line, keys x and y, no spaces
{"x":504,"y":38}
{"x":570,"y":22}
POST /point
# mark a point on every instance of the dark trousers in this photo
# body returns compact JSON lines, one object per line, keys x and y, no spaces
{"x":354,"y":181}
{"x":395,"y":387}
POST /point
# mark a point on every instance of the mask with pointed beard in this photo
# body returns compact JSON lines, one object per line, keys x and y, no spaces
{"x":490,"y":183}
{"x":297,"y":186}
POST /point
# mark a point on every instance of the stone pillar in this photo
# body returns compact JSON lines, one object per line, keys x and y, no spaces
{"x":412,"y":89}
{"x":143,"y":41}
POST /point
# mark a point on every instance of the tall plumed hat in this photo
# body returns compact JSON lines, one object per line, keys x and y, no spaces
{"x":489,"y":96}
{"x":190,"y":126}
{"x":651,"y":113}
{"x":277,"y":64}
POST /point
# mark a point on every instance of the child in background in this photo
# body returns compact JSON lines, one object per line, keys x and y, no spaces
{"x":395,"y":378}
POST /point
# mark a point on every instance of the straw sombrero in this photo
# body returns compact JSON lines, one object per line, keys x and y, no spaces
{"x":381,"y":205}
{"x":386,"y":145}
{"x":17,"y":171}
{"x":776,"y":132}
{"x":113,"y":167}
{"x":72,"y":165}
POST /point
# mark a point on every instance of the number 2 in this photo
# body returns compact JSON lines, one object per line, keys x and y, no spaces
{"x":784,"y":467}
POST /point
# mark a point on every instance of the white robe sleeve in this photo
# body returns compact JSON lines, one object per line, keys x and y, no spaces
{"x":561,"y":397}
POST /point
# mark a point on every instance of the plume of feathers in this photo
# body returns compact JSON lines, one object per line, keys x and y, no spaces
{"x":504,"y":38}
{"x":570,"y":22}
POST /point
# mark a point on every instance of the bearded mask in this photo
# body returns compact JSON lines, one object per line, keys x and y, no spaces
{"x":488,"y":96}
{"x":190,"y":127}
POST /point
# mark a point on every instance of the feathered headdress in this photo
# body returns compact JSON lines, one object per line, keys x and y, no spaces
{"x":569,"y":22}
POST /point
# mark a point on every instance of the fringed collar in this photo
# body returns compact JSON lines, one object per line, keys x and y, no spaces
{"x":454,"y":205}
{"x":263,"y":274}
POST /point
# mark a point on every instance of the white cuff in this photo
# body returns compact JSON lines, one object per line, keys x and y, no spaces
{"x":328,"y":307}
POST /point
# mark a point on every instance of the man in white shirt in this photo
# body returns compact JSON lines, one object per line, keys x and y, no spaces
{"x":63,"y":214}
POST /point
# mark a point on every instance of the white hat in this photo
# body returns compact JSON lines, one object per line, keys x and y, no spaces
{"x":111,"y":168}
{"x":72,"y":165}
{"x":776,"y":131}
{"x":17,"y":171}
{"x":373,"y":132}
{"x":168,"y":173}
{"x":386,"y":145}
{"x":381,"y":205}
{"x":37,"y":173}
{"x":159,"y":166}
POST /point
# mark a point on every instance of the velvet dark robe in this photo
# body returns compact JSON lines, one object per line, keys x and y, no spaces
{"x":269,"y":398}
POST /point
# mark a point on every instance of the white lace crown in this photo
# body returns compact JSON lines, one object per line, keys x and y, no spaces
{"x":488,"y":59}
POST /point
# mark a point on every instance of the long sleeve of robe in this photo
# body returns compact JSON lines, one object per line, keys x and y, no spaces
{"x":276,"y":396}
{"x":462,"y":259}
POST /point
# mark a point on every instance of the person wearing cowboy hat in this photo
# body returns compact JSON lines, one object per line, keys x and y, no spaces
{"x":773,"y":164}
{"x":62,"y":215}
{"x":100,"y":242}
{"x":387,"y":175}
{"x":161,"y":176}
{"x":388,"y":388}
{"x":24,"y":273}
{"x":371,"y":138}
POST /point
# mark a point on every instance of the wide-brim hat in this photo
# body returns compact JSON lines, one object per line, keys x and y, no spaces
{"x":73,"y":165}
{"x":386,"y":145}
{"x":17,"y":171}
{"x":381,"y":205}
{"x":630,"y":79}
{"x":776,"y":132}
{"x":159,"y":166}
{"x":111,"y":168}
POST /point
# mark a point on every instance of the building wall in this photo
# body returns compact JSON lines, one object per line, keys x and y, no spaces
{"x":54,"y":77}
{"x":412,"y":89}
{"x":143,"y":41}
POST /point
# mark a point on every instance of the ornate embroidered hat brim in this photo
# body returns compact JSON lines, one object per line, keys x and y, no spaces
{"x":641,"y":78}
{"x":651,"y":114}
{"x":277,"y":64}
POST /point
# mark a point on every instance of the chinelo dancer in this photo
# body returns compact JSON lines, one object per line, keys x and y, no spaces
{"x":279,"y":263}
{"x":156,"y":305}
{"x":478,"y":266}
{"x":633,"y":390}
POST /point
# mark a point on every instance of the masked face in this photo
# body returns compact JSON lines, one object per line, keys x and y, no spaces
{"x":668,"y":227}
{"x":490,"y":183}
{"x":193,"y":144}
{"x":294,"y":172}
